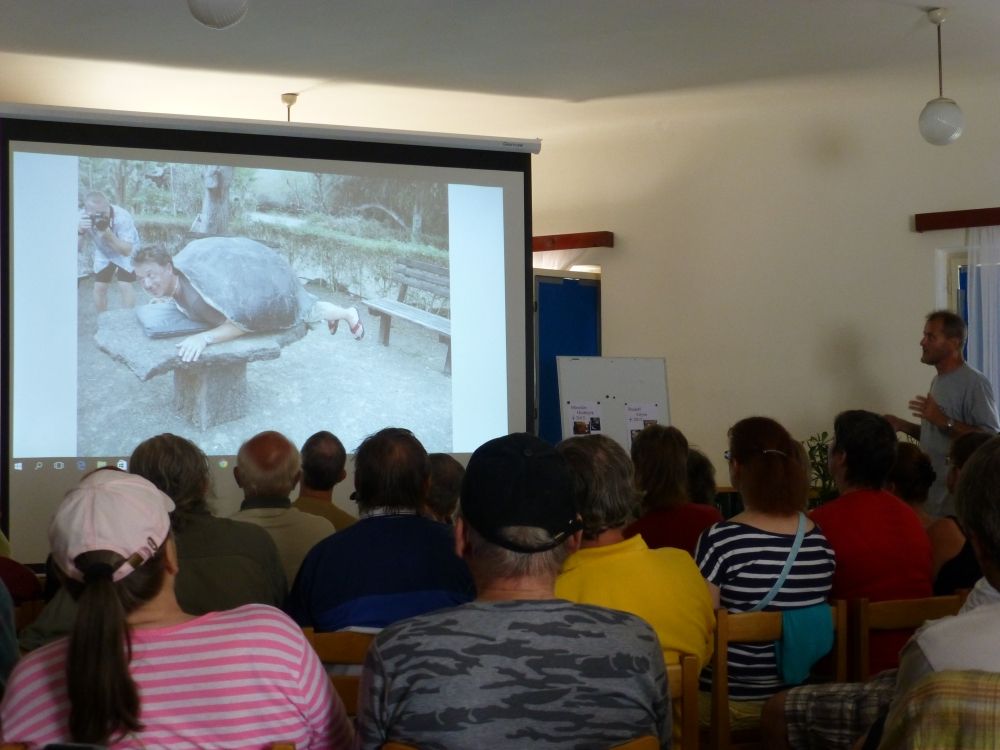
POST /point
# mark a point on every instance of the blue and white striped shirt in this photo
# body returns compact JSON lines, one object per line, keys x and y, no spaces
{"x":744,"y":562}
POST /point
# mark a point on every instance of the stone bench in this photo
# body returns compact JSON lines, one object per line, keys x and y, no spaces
{"x":208,"y":392}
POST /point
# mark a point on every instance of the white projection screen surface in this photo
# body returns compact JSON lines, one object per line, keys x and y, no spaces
{"x":276,"y":233}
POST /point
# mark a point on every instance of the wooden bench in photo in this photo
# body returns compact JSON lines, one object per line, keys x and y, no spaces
{"x":415,"y":274}
{"x":208,"y":392}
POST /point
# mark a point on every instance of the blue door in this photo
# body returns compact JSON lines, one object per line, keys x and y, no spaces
{"x":569,"y":323}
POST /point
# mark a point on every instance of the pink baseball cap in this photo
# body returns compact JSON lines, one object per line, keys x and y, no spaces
{"x":113,"y":511}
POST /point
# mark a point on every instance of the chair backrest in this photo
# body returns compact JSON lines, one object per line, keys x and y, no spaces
{"x":646,"y":742}
{"x":282,"y":746}
{"x":758,"y":627}
{"x":682,"y":680}
{"x":951,"y":709}
{"x":896,"y":614}
{"x":342,"y":647}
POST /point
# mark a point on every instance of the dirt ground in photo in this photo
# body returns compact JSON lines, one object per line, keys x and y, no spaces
{"x":321,"y":382}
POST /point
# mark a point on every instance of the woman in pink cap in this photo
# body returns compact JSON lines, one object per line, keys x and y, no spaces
{"x":137,"y":671}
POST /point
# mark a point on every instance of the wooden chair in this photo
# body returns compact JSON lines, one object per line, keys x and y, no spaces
{"x":283,"y":746}
{"x":756,"y":627}
{"x":646,"y":742}
{"x":682,"y":679}
{"x":896,"y":614}
{"x":342,"y":647}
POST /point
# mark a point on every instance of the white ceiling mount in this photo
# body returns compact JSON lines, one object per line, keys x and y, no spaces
{"x":937,"y":16}
{"x":941,"y":121}
{"x":288,"y":99}
{"x":218,"y":14}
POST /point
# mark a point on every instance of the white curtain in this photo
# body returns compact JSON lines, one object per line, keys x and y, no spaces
{"x":983,"y":244}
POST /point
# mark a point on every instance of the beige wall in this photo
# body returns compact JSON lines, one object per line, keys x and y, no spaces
{"x":763,"y":240}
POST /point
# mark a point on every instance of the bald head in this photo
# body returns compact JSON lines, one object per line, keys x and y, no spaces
{"x":267,"y":465}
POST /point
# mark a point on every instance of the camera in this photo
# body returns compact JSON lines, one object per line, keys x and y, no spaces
{"x":100,"y":222}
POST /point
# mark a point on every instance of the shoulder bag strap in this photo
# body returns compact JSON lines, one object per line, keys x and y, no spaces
{"x":792,"y":554}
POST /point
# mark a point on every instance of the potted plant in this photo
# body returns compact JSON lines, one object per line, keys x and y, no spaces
{"x":820,"y":479}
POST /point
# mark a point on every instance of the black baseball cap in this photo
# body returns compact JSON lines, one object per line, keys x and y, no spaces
{"x":519,"y":480}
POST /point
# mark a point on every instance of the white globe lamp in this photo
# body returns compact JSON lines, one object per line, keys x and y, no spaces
{"x":218,"y":14}
{"x":941,"y":121}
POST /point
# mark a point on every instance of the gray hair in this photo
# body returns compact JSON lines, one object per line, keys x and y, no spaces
{"x":605,"y":482}
{"x":268,"y":465}
{"x":489,"y":561}
{"x":977,"y":498}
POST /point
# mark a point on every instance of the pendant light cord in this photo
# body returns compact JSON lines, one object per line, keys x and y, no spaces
{"x":940,"y":75}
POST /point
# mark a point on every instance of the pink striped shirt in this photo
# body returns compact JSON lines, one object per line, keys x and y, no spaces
{"x":243,"y":678}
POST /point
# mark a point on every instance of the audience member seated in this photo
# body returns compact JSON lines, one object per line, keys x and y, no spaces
{"x":267,"y":469}
{"x":391,"y":564}
{"x":139,"y":671}
{"x":882,"y":549}
{"x":669,"y":518}
{"x":882,"y":553}
{"x":701,"y":487}
{"x":743,"y":558}
{"x":224,"y":563}
{"x":517,"y":667}
{"x":663,"y":586}
{"x":910,"y":479}
{"x":969,"y":640}
{"x":8,"y":636}
{"x":323,"y":461}
{"x":446,"y":484}
{"x":955,"y":564}
{"x":20,"y":581}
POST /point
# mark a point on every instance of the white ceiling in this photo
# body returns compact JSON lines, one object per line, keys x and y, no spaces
{"x":573,"y":50}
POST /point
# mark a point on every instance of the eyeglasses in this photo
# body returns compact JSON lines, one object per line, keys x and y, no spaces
{"x":728,"y":455}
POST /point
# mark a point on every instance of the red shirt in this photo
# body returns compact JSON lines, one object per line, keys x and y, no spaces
{"x":679,"y":526}
{"x":882,"y":553}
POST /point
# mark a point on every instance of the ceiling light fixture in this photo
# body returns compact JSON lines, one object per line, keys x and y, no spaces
{"x":218,"y":14}
{"x":941,"y":121}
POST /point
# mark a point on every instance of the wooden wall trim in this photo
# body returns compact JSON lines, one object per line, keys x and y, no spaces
{"x":572,"y":241}
{"x":975,"y":217}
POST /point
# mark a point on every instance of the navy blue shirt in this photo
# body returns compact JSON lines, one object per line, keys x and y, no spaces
{"x":377,"y":571}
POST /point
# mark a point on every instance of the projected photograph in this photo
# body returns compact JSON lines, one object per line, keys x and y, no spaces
{"x":216,"y":301}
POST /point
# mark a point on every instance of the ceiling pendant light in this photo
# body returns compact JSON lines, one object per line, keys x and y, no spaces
{"x":218,"y":14}
{"x":941,"y":121}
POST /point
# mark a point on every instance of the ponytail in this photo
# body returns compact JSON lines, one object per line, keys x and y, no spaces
{"x":104,"y":699}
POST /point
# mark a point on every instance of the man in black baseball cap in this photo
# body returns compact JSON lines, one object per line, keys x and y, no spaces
{"x":517,"y":664}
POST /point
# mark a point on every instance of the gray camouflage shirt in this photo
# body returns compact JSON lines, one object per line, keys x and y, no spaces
{"x":539,"y":674}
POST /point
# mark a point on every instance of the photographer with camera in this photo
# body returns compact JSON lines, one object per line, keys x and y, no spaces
{"x":112,"y":231}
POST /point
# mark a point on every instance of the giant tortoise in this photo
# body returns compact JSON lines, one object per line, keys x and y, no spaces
{"x":246,"y":281}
